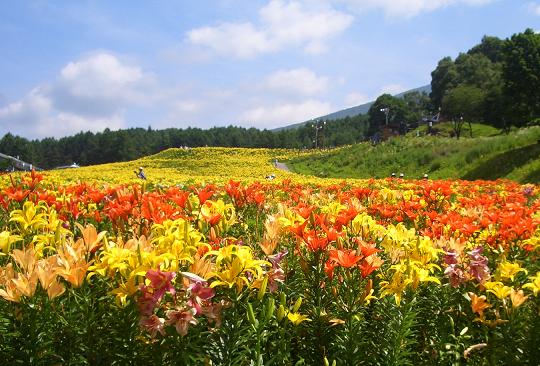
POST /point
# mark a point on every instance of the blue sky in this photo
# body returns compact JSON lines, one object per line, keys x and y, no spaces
{"x":71,"y":66}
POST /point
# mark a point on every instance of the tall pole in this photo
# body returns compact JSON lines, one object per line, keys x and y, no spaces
{"x":322,"y":132}
{"x":386,"y":111}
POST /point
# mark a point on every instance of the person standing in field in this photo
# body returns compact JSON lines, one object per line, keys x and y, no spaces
{"x":140,"y":174}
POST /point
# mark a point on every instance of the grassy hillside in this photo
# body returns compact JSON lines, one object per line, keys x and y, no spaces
{"x":515,"y":156}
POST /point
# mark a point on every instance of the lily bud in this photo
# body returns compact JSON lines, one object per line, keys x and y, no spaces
{"x":283,"y":299}
{"x":262,"y":290}
{"x":251,"y":316}
{"x":297,"y":305}
{"x":280,"y":313}
{"x":270,"y":307}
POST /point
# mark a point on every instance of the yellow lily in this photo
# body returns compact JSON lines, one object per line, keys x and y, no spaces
{"x":507,"y":270}
{"x":31,"y":217}
{"x":297,"y":318}
{"x":396,"y":286}
{"x":233,"y":263}
{"x":177,"y":237}
{"x":271,"y":234}
{"x":534,"y":285}
{"x":6,"y":239}
{"x":128,"y":288}
{"x":498,"y":289}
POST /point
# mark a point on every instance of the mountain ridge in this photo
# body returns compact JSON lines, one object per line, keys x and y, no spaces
{"x":352,"y":111}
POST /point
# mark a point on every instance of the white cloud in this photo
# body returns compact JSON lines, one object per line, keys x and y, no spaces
{"x":282,"y":97}
{"x":89,"y":94}
{"x":296,"y":81}
{"x":102,"y":90}
{"x":65,"y":123}
{"x":316,"y":48}
{"x":281,"y":114}
{"x":102,"y":68}
{"x":241,"y":40}
{"x":354,"y":99}
{"x":100,"y":85}
{"x":281,"y":24}
{"x":534,"y":8}
{"x":407,"y":8}
{"x":35,"y":117}
{"x":33,"y":106}
{"x":187,"y":106}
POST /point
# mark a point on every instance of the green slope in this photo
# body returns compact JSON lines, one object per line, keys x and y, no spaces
{"x":515,"y":156}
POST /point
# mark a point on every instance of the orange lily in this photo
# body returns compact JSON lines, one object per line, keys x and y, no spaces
{"x":345,"y":258}
{"x":479,"y":304}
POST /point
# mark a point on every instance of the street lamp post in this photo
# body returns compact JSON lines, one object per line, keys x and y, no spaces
{"x":386,"y":111}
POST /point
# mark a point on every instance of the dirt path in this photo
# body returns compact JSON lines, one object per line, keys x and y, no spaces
{"x":282,"y":166}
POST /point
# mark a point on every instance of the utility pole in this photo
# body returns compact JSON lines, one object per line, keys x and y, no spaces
{"x":322,"y":133}
{"x":318,"y":127}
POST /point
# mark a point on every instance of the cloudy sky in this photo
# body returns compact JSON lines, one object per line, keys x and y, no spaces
{"x":71,"y":66}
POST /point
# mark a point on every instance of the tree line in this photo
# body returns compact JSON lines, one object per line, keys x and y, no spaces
{"x":88,"y":148}
{"x":496,"y":82}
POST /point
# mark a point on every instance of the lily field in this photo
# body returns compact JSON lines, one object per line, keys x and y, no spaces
{"x":208,"y":263}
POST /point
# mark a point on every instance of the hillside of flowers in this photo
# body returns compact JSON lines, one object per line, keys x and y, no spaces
{"x":203,"y":164}
{"x":284,"y":272}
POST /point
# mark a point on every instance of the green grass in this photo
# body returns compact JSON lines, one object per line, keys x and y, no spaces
{"x":445,"y":129}
{"x":491,"y":155}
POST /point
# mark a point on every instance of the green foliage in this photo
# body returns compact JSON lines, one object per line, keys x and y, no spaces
{"x":513,"y":156}
{"x":491,"y":47}
{"x":477,"y":70}
{"x":464,"y":101}
{"x":505,"y":73}
{"x":443,"y":78}
{"x":521,"y":76}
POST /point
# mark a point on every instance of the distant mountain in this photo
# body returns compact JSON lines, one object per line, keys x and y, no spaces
{"x":353,"y":111}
